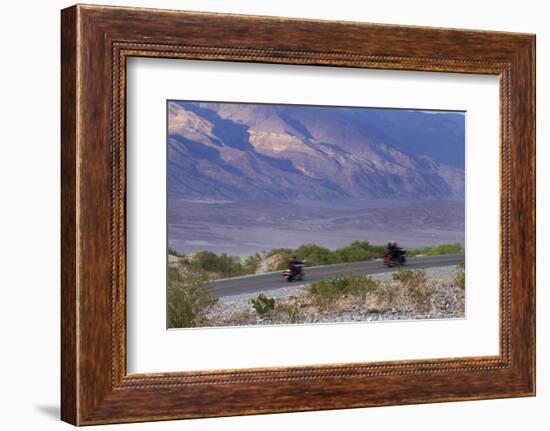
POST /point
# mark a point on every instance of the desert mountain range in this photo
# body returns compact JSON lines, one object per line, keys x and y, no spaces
{"x":226,"y":152}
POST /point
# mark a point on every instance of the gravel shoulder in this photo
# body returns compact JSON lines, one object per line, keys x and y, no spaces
{"x":447,"y":302}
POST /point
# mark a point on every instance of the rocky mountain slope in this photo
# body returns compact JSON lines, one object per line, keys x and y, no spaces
{"x":227,"y":152}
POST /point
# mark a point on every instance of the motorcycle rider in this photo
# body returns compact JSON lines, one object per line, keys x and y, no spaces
{"x":395,"y":250}
{"x":292,"y":264}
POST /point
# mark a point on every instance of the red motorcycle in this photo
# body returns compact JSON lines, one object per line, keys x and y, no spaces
{"x":295,"y":274}
{"x":392,"y":259}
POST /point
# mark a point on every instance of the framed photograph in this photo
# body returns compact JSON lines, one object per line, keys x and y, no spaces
{"x":263,"y":214}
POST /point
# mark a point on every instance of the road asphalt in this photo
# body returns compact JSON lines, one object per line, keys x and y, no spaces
{"x":273,"y":280}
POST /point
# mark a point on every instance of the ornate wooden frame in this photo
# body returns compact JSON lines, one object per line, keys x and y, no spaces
{"x":95,"y":43}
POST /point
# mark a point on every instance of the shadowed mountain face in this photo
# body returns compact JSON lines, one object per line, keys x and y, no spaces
{"x":221,"y":152}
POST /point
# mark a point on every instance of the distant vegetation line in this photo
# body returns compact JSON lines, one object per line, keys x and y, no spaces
{"x":224,"y":265}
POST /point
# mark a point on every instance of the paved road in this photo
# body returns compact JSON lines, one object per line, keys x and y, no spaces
{"x":261,"y":282}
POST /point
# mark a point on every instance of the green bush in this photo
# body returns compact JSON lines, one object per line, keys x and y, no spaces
{"x":287,"y":312}
{"x":421,"y":296}
{"x":324,"y":292}
{"x":223,"y":264}
{"x":358,"y":251}
{"x":460,"y":276}
{"x":188,"y":299}
{"x":315,"y":254}
{"x":263,"y":305}
{"x":361,"y":285}
{"x":420,"y":291}
{"x":436,"y":250}
{"x":250,"y":264}
{"x":410,"y":277}
{"x":388,"y":293}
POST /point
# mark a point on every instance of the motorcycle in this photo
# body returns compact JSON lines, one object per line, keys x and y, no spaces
{"x":392,"y":259}
{"x":296,"y":274}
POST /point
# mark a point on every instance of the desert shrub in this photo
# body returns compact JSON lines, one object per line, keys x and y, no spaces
{"x":460,"y":276}
{"x":357,"y":251}
{"x":286,"y":252}
{"x":287,"y":312}
{"x":315,"y":254}
{"x":419,"y":290}
{"x":222,"y":265}
{"x":410,"y":277}
{"x":324,"y":292}
{"x":436,"y":250}
{"x":361,"y":285}
{"x":422,"y":296}
{"x":444,"y":249}
{"x":263,"y":305}
{"x":188,"y":299}
{"x":250,"y":264}
{"x":387,"y":294}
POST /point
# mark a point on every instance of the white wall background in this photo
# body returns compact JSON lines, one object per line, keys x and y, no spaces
{"x":29,"y":214}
